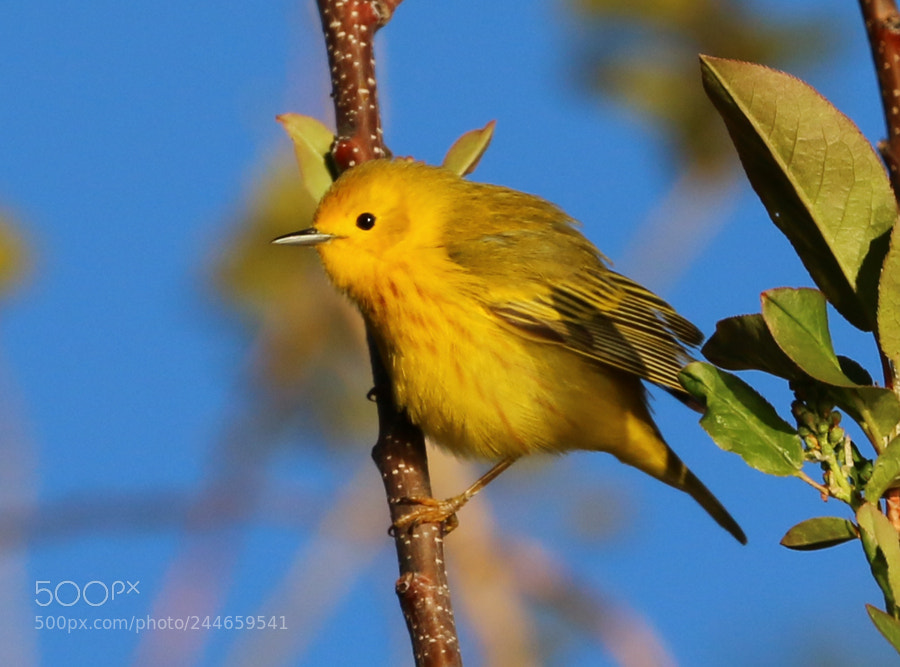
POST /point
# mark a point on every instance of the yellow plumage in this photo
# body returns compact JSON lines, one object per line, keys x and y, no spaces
{"x":503,"y":329}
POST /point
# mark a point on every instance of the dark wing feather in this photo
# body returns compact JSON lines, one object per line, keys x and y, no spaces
{"x":611,"y":319}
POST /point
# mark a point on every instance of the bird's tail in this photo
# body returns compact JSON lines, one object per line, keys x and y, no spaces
{"x":651,"y":454}
{"x":690,"y":484}
{"x":627,"y":431}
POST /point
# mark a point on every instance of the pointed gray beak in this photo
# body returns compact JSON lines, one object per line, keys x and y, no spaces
{"x":311,"y":236}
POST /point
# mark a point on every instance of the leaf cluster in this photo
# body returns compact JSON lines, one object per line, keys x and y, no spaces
{"x":826,"y":189}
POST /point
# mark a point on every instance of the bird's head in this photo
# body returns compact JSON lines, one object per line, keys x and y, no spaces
{"x":382,"y":213}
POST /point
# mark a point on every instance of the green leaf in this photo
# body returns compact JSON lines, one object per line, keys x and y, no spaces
{"x":819,"y":533}
{"x":887,"y":625}
{"x":882,"y":547}
{"x":820,"y":180}
{"x":744,"y":343}
{"x":875,"y":409}
{"x":885,"y":472}
{"x":854,"y":370}
{"x":798,"y":321}
{"x":466,"y":152}
{"x":312,"y":146}
{"x":740,"y":420}
{"x":889,"y":301}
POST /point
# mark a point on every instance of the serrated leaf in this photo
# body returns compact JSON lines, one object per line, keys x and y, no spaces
{"x":885,"y":472}
{"x":887,"y":625}
{"x":744,"y":343}
{"x":819,"y":533}
{"x":798,"y":321}
{"x":889,"y":301}
{"x":466,"y":152}
{"x":882,"y":547}
{"x":821,"y":182}
{"x":312,"y":144}
{"x":740,"y":420}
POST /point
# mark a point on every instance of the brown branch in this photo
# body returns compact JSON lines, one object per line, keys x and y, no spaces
{"x":349,"y":27}
{"x":883,"y":28}
{"x":882,"y":22}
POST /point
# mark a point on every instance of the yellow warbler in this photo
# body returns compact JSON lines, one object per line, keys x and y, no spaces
{"x":503,"y":330}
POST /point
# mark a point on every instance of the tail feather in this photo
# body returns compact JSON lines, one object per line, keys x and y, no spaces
{"x":629,"y":433}
{"x":652,"y":455}
{"x":698,"y":491}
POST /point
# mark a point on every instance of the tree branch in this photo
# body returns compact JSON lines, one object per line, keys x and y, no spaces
{"x":349,"y":27}
{"x":883,"y":28}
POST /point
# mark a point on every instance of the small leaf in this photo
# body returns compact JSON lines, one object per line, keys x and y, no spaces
{"x":466,"y":152}
{"x":744,"y":343}
{"x":819,"y":533}
{"x":312,"y":145}
{"x":818,"y":177}
{"x":885,"y":472}
{"x":854,"y":370}
{"x":889,"y":301}
{"x":798,"y":321}
{"x":887,"y":625}
{"x":882,"y":546}
{"x":740,"y":420}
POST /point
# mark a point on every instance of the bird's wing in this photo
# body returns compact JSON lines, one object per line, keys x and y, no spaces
{"x":610,"y":319}
{"x":564,"y":294}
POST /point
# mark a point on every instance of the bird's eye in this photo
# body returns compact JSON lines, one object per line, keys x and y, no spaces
{"x":365,"y":221}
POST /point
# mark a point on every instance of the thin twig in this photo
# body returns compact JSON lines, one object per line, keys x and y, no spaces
{"x":882,"y":22}
{"x":818,"y":487}
{"x":349,"y":27}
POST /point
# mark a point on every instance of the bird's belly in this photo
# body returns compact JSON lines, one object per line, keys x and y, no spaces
{"x":480,"y":391}
{"x":476,"y":392}
{"x":491,"y":401}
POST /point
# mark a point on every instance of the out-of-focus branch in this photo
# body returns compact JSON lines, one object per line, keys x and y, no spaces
{"x":628,"y":638}
{"x":883,"y":28}
{"x":349,"y":27}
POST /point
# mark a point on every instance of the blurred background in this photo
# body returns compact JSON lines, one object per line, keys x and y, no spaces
{"x":183,"y":406}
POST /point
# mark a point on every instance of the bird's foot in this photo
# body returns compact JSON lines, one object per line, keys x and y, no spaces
{"x":430,"y":510}
{"x":443,"y":512}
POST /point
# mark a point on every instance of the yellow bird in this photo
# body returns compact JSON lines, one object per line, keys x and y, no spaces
{"x":503,"y":330}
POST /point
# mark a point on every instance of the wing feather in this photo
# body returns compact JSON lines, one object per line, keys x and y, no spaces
{"x":562,"y":292}
{"x":611,"y":319}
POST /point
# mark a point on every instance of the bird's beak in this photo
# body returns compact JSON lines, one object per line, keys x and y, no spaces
{"x":311,"y":236}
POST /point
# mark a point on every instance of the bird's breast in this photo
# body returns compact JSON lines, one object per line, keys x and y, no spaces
{"x":471,"y":385}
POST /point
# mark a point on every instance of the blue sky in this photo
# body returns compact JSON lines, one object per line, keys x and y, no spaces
{"x":129,"y":134}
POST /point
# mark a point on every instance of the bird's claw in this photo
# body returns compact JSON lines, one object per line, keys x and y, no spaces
{"x":428,"y":510}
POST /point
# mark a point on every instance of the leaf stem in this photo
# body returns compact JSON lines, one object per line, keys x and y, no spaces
{"x":813,"y":483}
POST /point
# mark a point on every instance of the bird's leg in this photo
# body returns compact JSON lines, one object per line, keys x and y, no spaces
{"x":432,"y":510}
